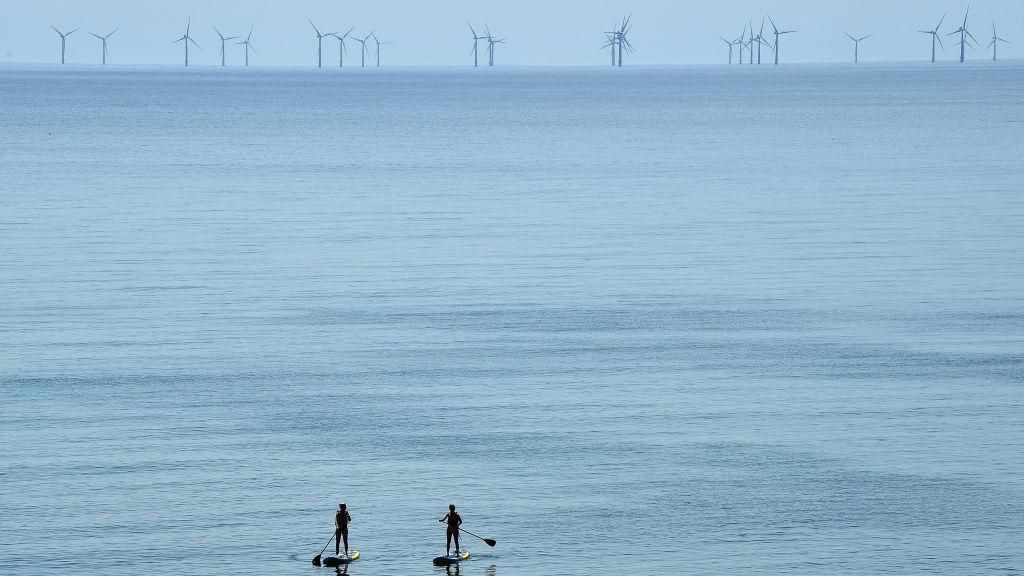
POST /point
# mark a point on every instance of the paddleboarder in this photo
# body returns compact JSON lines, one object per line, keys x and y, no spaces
{"x":341,"y":520}
{"x":454,"y":520}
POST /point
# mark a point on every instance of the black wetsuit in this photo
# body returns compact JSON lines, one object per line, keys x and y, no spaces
{"x":453,"y":520}
{"x":341,"y":520}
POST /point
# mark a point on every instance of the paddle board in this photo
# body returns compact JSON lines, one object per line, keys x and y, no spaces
{"x":451,"y":558}
{"x":341,"y":559}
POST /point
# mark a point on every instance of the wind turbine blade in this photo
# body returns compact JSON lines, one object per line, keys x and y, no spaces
{"x":971,"y":35}
{"x":96,"y":35}
{"x":939,"y":38}
{"x":848,"y":36}
{"x":941,"y":21}
{"x":112,"y":33}
{"x":317,"y":30}
{"x":72,"y":32}
{"x":772,"y":22}
{"x":866,"y":37}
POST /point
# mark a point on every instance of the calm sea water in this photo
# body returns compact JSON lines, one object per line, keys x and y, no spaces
{"x":665,"y":321}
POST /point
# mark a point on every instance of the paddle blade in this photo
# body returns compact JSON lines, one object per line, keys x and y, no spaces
{"x":316,"y":560}
{"x":490,"y":542}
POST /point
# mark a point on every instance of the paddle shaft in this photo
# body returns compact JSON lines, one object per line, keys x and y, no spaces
{"x":316,"y":560}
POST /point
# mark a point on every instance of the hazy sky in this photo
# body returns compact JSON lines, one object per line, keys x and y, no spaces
{"x":538,"y":31}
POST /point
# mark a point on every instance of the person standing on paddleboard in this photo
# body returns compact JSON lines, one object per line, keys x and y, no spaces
{"x":341,"y":520}
{"x":454,"y":520}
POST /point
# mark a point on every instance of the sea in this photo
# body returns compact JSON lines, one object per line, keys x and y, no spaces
{"x":641,"y":321}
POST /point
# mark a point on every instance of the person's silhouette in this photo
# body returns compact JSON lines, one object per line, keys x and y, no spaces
{"x":454,"y":520}
{"x":341,"y":520}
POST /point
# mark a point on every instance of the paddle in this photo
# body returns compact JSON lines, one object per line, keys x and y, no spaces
{"x":488,"y":541}
{"x":316,"y":559}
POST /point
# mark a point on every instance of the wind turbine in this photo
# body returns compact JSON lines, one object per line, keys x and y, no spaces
{"x":760,"y":41}
{"x":476,"y":45}
{"x":731,"y":45}
{"x":750,"y":43}
{"x":342,"y":49}
{"x":186,"y":39}
{"x":856,"y":45}
{"x":362,"y":52}
{"x":995,"y":42}
{"x":223,"y":41}
{"x":490,"y":45}
{"x":320,"y":44}
{"x":103,"y":39}
{"x":248,"y":46}
{"x":777,"y":34}
{"x":935,"y":36}
{"x":63,"y":41}
{"x":964,"y":34}
{"x":379,"y":44}
{"x":620,"y":36}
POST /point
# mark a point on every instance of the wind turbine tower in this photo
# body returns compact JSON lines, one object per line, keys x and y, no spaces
{"x":103,"y":40}
{"x":342,"y":49}
{"x":750,"y":44}
{"x":186,"y":39}
{"x":362,"y":52}
{"x":778,"y":33}
{"x":379,"y":44}
{"x":935,"y":36}
{"x":319,"y":44}
{"x":223,"y":41}
{"x":995,"y":42}
{"x":63,"y":41}
{"x":856,"y":45}
{"x":476,"y":45}
{"x":964,"y":35}
{"x":248,"y":46}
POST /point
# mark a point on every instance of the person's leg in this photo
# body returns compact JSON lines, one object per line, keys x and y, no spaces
{"x":344,"y":535}
{"x":456,"y":534}
{"x":448,"y":542}
{"x":337,"y":541}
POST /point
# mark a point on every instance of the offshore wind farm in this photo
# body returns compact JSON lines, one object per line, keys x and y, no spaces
{"x":617,"y":40}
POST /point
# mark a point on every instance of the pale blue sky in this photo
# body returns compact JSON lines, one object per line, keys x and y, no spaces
{"x":539,"y":31}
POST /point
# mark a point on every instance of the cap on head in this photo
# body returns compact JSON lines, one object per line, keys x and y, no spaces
{"x":451,"y":507}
